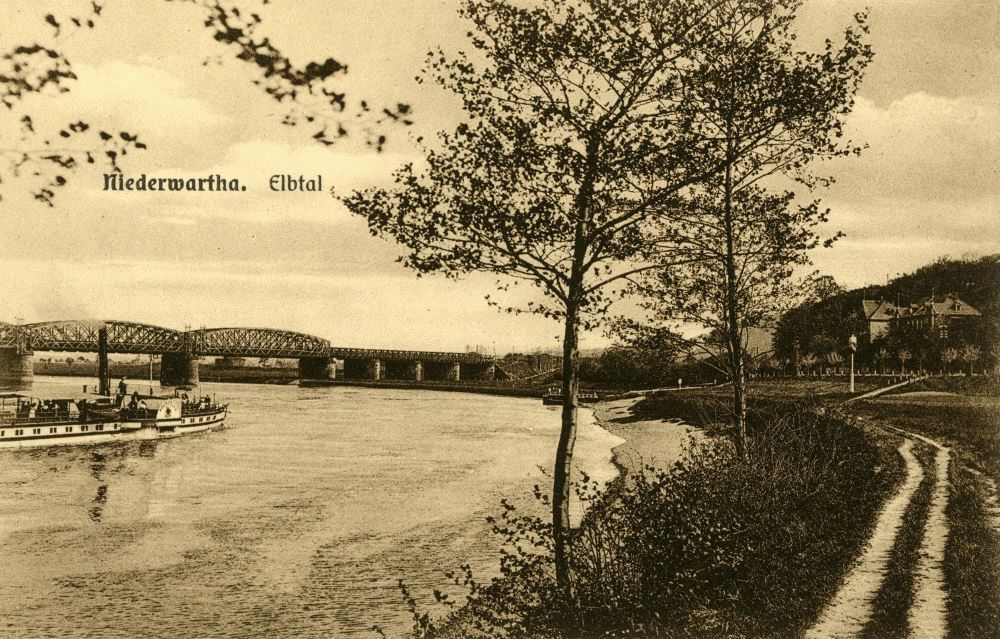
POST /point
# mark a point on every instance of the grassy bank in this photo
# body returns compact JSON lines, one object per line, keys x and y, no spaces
{"x":711,"y":546}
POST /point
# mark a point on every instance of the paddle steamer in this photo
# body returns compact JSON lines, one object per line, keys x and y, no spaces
{"x":27,"y":421}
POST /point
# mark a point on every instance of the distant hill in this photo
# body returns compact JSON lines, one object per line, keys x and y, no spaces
{"x":823,"y":325}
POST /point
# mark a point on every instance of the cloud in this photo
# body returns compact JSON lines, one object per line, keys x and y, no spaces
{"x":118,"y":95}
{"x":923,"y":147}
{"x":927,"y":186}
{"x":151,"y":98}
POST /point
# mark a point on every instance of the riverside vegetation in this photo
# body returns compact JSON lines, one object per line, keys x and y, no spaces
{"x":713,"y":545}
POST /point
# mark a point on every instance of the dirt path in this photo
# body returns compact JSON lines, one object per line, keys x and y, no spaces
{"x":929,"y":611}
{"x":851,"y":608}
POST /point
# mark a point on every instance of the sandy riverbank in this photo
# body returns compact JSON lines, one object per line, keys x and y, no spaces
{"x":648,"y":442}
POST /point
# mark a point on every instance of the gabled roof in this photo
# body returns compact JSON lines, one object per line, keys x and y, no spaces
{"x":879,"y":310}
{"x":869,"y":307}
{"x":950,"y":306}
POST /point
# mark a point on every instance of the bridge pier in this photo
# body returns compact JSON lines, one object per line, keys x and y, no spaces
{"x":16,"y":368}
{"x":415,"y":371}
{"x":178,"y":369}
{"x":317,"y":368}
{"x":374,"y":369}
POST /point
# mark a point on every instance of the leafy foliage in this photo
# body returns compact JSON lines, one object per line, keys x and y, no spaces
{"x":586,"y":122}
{"x":47,"y":158}
{"x":578,"y":131}
{"x":310,"y":91}
{"x":765,"y":109}
{"x":712,"y":543}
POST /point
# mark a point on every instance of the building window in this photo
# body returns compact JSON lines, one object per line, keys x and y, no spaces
{"x":99,"y":427}
{"x":36,"y":431}
{"x":85,"y":428}
{"x":53,"y":430}
{"x":69,"y":429}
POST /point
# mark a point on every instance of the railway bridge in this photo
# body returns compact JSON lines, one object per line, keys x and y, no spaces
{"x":180,"y":351}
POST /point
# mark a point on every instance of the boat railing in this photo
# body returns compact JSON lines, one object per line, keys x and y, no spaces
{"x":37,"y":420}
{"x":198,"y":408}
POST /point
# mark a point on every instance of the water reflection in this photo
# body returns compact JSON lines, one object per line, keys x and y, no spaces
{"x":98,"y":508}
{"x":97,"y":464}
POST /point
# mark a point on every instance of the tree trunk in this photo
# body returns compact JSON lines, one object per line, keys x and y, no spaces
{"x":733,"y":334}
{"x":561,"y":482}
{"x":564,"y":452}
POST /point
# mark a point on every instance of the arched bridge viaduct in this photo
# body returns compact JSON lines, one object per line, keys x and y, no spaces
{"x":180,"y":351}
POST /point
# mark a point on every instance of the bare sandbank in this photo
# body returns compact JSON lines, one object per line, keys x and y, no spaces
{"x":648,"y":442}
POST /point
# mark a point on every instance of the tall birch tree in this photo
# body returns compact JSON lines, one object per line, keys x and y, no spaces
{"x":577,"y":132}
{"x":766,"y":110}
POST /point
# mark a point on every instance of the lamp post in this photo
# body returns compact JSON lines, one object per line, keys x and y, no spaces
{"x":852,"y":342}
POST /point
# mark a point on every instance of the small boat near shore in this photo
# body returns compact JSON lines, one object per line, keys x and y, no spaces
{"x":27,"y":421}
{"x":554,"y":396}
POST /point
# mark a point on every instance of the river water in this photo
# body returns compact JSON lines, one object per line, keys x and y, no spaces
{"x":296,"y":520}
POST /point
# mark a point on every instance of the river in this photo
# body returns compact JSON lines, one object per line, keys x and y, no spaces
{"x":296,"y":520}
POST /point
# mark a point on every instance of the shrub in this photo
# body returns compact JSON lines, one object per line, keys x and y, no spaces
{"x":711,"y":545}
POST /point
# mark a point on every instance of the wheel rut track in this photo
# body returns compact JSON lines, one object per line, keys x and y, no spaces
{"x":847,"y":614}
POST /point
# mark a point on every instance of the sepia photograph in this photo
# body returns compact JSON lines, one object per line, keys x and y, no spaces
{"x":499,"y":319}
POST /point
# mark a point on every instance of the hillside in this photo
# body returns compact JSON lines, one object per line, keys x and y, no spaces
{"x":825,"y":325}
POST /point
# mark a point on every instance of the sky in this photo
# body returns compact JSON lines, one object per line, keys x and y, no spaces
{"x":926,"y":186}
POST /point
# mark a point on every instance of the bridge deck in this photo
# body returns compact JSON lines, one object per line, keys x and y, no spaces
{"x":141,"y":339}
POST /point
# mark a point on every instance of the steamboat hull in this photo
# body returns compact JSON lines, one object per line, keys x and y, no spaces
{"x":77,"y":433}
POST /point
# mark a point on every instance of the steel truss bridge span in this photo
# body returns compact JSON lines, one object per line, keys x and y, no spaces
{"x":339,"y":352}
{"x":142,"y":339}
{"x":258,"y":342}
{"x":123,"y":337}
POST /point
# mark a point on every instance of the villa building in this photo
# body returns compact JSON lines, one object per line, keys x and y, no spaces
{"x":928,"y":314}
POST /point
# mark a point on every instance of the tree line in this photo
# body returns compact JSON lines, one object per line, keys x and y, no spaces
{"x":814,"y":335}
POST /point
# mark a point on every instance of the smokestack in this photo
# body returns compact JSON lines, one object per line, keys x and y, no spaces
{"x":103,"y":371}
